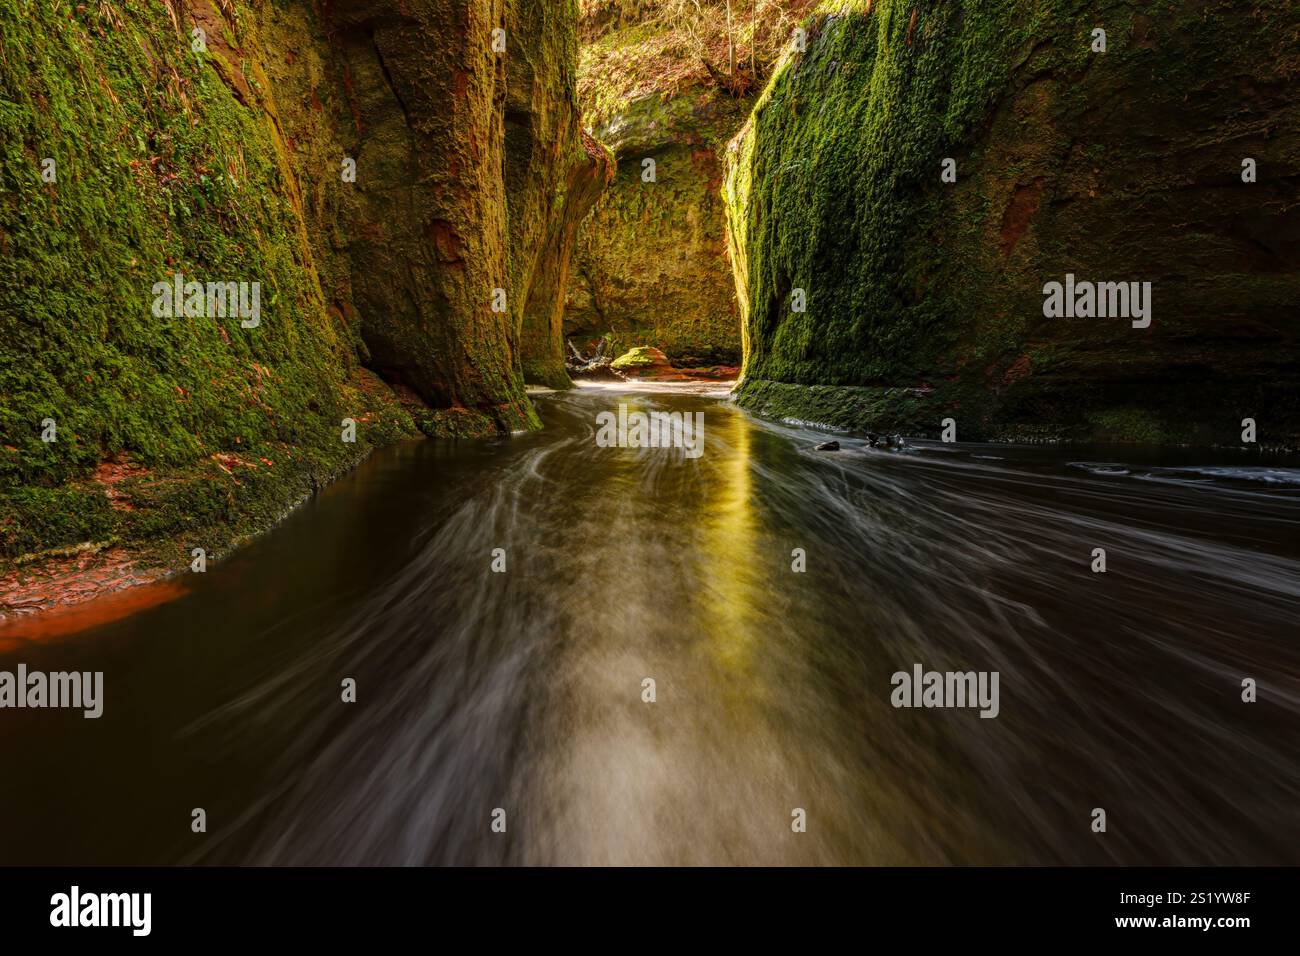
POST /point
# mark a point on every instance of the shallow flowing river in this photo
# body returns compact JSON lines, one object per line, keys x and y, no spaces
{"x":523,"y":690}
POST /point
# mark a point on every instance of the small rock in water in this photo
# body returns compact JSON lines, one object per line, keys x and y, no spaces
{"x":829,"y":446}
{"x":646,"y":361}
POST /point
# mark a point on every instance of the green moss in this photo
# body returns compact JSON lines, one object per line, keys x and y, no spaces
{"x":34,"y":519}
{"x":650,"y":263}
{"x":224,"y":166}
{"x":622,"y":66}
{"x":636,"y":358}
{"x":650,"y":267}
{"x":1128,"y":425}
{"x":834,"y":188}
{"x":160,"y":169}
{"x":841,"y":168}
{"x":554,"y":174}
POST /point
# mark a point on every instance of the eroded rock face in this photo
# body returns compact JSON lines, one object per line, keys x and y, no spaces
{"x":554,"y":174}
{"x":925,"y":299}
{"x":650,"y":265}
{"x":229,"y":165}
{"x":428,"y":245}
{"x":472,"y":175}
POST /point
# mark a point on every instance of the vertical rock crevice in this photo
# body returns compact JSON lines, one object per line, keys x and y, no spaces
{"x":554,"y":173}
{"x":428,"y":244}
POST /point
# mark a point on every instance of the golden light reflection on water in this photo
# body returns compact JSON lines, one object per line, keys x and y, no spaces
{"x":526,"y":690}
{"x":730,"y":534}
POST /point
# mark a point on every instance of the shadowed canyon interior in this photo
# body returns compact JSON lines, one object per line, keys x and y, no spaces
{"x":452,"y":211}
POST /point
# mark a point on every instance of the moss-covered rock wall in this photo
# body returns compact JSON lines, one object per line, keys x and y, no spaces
{"x":133,"y":149}
{"x":650,"y":266}
{"x":925,"y":298}
{"x":554,"y":175}
{"x":428,"y":248}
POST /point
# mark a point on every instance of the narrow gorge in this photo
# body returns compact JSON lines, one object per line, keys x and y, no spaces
{"x":649,"y":432}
